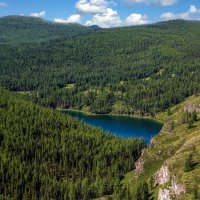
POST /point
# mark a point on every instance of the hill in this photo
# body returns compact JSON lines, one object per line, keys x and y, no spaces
{"x":171,"y":164}
{"x":46,"y":155}
{"x":15,"y":29}
{"x":133,"y":70}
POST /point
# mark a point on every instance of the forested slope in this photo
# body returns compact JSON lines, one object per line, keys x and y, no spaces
{"x":45,"y":154}
{"x":141,"y":70}
{"x":134,"y":70}
{"x":14,"y":29}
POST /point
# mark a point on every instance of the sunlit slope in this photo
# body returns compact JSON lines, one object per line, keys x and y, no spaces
{"x":163,"y":165}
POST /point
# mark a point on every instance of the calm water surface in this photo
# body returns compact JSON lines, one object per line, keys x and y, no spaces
{"x":122,"y":126}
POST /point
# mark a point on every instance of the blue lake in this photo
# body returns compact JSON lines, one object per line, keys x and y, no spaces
{"x":121,"y":126}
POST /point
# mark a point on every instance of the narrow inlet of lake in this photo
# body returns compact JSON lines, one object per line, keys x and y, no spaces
{"x":121,"y":126}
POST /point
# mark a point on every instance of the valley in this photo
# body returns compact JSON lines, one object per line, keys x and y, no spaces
{"x":126,"y":80}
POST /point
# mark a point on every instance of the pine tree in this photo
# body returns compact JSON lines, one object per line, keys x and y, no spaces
{"x":190,"y":123}
{"x":142,"y":191}
{"x":196,"y":194}
{"x":194,"y":116}
{"x":189,"y":163}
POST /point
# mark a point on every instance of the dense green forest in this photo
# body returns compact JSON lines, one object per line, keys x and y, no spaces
{"x":16,"y":29}
{"x":138,"y":70}
{"x":45,"y":154}
{"x":133,"y":70}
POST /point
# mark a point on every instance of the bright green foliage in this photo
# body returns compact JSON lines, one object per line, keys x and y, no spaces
{"x":47,"y":155}
{"x":143,"y":69}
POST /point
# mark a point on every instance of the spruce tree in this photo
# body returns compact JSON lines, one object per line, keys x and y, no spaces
{"x":142,"y":191}
{"x":189,"y":163}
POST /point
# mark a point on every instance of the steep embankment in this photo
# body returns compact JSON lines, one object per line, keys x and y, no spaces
{"x":171,"y":164}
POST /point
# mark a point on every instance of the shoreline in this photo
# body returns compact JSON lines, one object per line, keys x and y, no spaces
{"x":113,"y":115}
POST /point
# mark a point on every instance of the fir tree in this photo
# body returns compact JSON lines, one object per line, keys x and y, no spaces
{"x":189,"y":163}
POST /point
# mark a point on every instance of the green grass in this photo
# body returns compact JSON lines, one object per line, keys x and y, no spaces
{"x":70,"y":86}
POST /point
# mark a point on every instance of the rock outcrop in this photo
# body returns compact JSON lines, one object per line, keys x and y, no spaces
{"x":192,"y":108}
{"x":139,"y":165}
{"x":164,"y":194}
{"x":162,"y":176}
{"x":177,"y":189}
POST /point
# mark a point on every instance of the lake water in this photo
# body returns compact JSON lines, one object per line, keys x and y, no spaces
{"x":122,"y":126}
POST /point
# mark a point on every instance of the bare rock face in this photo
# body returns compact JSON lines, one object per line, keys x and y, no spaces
{"x":164,"y":194}
{"x":173,"y":191}
{"x":192,"y":108}
{"x":153,"y":142}
{"x":139,"y":168}
{"x":139,"y":165}
{"x":177,"y":188}
{"x":162,"y":176}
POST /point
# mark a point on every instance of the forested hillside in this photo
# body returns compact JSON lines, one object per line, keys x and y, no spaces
{"x":15,"y":29}
{"x":135,"y":70}
{"x":144,"y":70}
{"x":47,"y":155}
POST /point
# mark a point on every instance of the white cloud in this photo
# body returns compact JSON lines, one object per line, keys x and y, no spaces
{"x":92,"y":6}
{"x":76,"y":18}
{"x":112,"y":19}
{"x":136,"y":1}
{"x":158,"y":2}
{"x":166,"y":2}
{"x":40,"y":14}
{"x":168,"y":16}
{"x":3,"y":4}
{"x":106,"y":20}
{"x":193,"y":9}
{"x":136,"y":19}
{"x":102,"y":14}
{"x":191,"y":14}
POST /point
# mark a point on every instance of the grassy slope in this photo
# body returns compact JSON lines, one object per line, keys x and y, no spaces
{"x":171,"y":148}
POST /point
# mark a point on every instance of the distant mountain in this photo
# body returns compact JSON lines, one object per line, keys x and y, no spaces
{"x":95,"y":27}
{"x":32,"y":29}
{"x":178,"y":24}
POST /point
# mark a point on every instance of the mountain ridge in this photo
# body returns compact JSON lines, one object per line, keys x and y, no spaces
{"x":27,"y":29}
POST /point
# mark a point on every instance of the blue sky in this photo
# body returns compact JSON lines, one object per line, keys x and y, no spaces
{"x":105,"y":13}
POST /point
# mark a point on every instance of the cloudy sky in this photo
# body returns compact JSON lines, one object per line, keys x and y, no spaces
{"x":105,"y":13}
